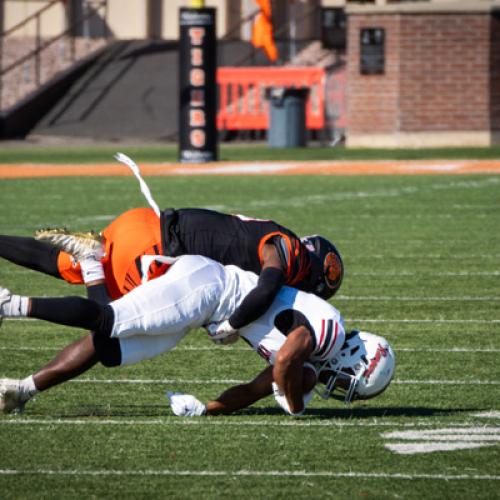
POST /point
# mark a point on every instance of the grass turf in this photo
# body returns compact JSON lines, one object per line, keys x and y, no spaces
{"x":259,"y":152}
{"x":422,"y":269}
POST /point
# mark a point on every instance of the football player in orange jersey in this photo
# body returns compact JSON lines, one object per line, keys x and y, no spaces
{"x":135,"y":244}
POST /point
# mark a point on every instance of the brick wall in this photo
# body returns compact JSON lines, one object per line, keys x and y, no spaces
{"x":372,"y":100}
{"x":442,"y":75}
{"x":444,"y":68}
{"x":495,"y":74}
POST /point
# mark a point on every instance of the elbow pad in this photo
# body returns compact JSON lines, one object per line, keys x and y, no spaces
{"x":257,"y":302}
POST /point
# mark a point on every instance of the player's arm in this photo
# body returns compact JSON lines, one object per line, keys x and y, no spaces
{"x":288,"y":368}
{"x":44,"y":257}
{"x":235,"y":398}
{"x":258,"y":300}
{"x":243,"y":395}
{"x":239,"y":396}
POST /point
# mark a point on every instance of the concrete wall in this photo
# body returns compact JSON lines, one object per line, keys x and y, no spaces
{"x":52,"y":21}
{"x":128,"y":21}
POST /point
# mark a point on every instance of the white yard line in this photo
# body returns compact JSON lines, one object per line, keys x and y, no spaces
{"x":249,"y":473}
{"x":452,"y":349}
{"x":414,"y":273}
{"x":427,"y":320}
{"x":371,"y":320}
{"x":389,"y":274}
{"x":443,"y":440}
{"x":229,"y":422}
{"x":449,"y":434}
{"x":446,"y":382}
{"x":248,"y":349}
{"x":235,"y":381}
{"x":487,"y":414}
{"x":426,"y":256}
{"x":376,"y":298}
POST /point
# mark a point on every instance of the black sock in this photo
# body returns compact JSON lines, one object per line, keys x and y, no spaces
{"x":30,"y":253}
{"x":74,"y":311}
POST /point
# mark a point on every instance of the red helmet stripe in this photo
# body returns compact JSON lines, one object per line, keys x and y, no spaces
{"x":333,"y":341}
{"x":322,"y":336}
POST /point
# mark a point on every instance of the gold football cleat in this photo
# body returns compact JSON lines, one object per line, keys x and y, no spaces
{"x":81,"y":245}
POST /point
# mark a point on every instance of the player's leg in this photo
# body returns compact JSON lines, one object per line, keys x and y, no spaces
{"x":30,"y":253}
{"x":142,"y":347}
{"x":70,"y":311}
{"x":79,"y":357}
{"x":183,"y":298}
{"x":71,"y":362}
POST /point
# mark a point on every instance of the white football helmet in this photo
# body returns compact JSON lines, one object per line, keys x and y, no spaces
{"x":362,"y":369}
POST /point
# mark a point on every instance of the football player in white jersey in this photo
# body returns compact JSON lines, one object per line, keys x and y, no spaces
{"x":299,"y":328}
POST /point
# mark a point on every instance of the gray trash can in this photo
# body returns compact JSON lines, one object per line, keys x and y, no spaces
{"x":287,"y":117}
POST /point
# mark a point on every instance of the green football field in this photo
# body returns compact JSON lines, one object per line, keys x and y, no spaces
{"x":422,"y":260}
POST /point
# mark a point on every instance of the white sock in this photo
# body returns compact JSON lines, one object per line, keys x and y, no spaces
{"x":16,"y":307}
{"x":27,"y":388}
{"x":92,"y":270}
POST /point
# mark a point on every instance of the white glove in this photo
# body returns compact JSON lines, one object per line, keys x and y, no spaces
{"x":282,"y":401}
{"x":222,"y":333}
{"x":185,"y":405}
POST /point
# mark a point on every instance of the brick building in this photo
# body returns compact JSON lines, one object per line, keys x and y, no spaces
{"x":438,"y":77}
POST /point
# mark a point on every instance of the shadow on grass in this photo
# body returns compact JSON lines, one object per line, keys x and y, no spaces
{"x":363,"y":413}
{"x":157,"y":411}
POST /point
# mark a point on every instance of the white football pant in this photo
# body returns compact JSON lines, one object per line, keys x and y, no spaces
{"x":153,"y":318}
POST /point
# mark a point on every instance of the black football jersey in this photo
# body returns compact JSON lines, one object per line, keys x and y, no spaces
{"x":234,"y":239}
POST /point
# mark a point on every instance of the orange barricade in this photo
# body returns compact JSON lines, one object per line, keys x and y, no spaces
{"x":242,"y":95}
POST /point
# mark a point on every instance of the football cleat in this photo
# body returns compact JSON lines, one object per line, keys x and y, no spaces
{"x":10,"y":396}
{"x":81,"y":245}
{"x":5,"y":297}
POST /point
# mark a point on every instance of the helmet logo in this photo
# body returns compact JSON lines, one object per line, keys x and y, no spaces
{"x":381,"y":352}
{"x":333,"y":270}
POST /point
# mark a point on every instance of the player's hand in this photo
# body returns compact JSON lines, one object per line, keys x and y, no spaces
{"x":283,"y":402}
{"x":185,"y":405}
{"x":222,"y":333}
{"x":281,"y":399}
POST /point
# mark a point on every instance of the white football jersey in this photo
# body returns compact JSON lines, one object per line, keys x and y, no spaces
{"x":292,"y":308}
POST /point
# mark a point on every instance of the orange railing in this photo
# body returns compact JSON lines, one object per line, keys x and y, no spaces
{"x":242,"y":95}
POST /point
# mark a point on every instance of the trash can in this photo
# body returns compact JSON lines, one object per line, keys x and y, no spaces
{"x":287,"y":117}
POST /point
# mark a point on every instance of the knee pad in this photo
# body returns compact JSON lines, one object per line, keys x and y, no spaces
{"x":108,"y":350}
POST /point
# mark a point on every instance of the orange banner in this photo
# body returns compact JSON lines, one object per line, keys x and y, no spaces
{"x":262,"y":32}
